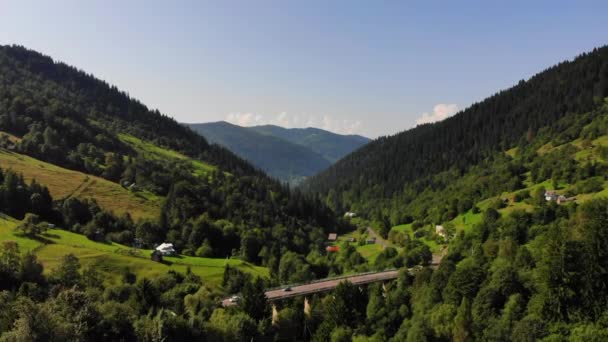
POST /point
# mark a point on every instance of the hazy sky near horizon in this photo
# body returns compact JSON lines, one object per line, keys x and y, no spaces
{"x":366,"y":67}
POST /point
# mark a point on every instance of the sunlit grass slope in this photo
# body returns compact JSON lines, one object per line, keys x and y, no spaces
{"x":112,"y":258}
{"x":155,"y":152}
{"x":63,"y":183}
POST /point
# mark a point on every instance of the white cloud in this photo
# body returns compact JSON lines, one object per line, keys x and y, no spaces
{"x":244,"y":119}
{"x":440,"y":112}
{"x":284,"y":119}
{"x":344,"y":126}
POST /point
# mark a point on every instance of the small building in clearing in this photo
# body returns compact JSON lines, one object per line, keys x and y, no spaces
{"x":551,"y":195}
{"x":371,"y":241}
{"x":166,"y":249}
{"x":350,"y":214}
{"x":332,"y":237}
{"x":439,"y":230}
{"x":332,"y":249}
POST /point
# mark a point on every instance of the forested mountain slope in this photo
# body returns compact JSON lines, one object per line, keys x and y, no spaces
{"x":380,"y":171}
{"x":213,"y":203}
{"x":279,"y":158}
{"x":522,"y":230}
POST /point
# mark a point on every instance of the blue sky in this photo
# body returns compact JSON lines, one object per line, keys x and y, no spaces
{"x":367,"y":67}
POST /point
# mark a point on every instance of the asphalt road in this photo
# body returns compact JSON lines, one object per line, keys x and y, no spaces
{"x":324,"y":286}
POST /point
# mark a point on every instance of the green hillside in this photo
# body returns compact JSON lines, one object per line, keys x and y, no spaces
{"x":516,"y":180}
{"x":64,"y":183}
{"x":117,"y":169}
{"x":112,"y":258}
{"x":399,"y":168}
{"x":151,"y":151}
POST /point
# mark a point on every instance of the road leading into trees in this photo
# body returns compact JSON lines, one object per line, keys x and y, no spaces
{"x":325,"y":285}
{"x":379,"y":239}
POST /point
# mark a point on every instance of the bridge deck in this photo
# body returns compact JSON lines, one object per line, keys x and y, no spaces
{"x":323,"y":286}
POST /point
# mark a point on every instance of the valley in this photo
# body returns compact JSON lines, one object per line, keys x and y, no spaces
{"x":117,"y":222}
{"x":290,"y":155}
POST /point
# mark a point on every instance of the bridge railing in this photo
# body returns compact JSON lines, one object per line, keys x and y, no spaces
{"x":343,"y":276}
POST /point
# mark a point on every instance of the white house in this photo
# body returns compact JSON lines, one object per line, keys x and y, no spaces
{"x":350,"y":214}
{"x":439,"y":230}
{"x":166,"y":249}
{"x":551,"y":195}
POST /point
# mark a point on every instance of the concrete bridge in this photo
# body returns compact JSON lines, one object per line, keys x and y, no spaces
{"x":324,"y":285}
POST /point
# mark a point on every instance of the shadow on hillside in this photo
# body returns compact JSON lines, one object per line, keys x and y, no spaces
{"x":40,"y":238}
{"x":51,"y":236}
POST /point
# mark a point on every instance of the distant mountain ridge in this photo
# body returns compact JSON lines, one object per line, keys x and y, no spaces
{"x":288,"y":154}
{"x":331,"y":146}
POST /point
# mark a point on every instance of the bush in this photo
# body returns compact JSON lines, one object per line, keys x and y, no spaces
{"x":31,"y":226}
{"x":589,"y":185}
{"x":124,"y":238}
{"x":416,"y":225}
{"x":521,"y":195}
{"x":205,"y":251}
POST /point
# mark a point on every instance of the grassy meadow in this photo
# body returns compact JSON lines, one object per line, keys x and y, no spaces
{"x":155,"y":152}
{"x":64,"y":183}
{"x":112,"y":258}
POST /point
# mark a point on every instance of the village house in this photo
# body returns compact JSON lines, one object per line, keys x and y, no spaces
{"x":332,"y":249}
{"x":166,"y":249}
{"x":551,"y":195}
{"x":371,"y":241}
{"x":439,"y":230}
{"x":350,"y":214}
{"x":332,"y":237}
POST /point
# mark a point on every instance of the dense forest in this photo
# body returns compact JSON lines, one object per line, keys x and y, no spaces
{"x":66,"y":117}
{"x":525,"y":276}
{"x":383,"y":168}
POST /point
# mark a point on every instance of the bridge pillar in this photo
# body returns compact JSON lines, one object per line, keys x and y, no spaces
{"x":275,"y":315}
{"x":306,"y":308}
